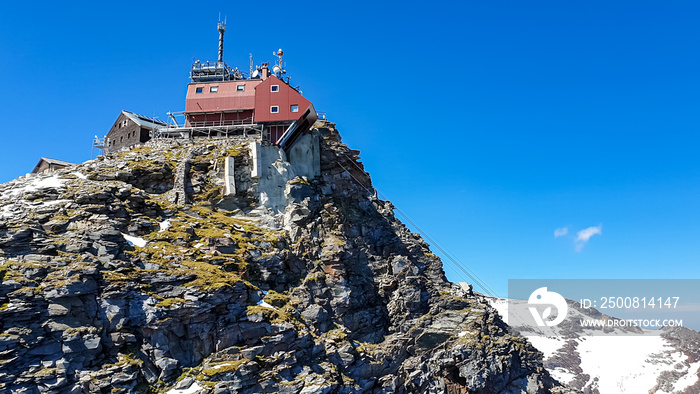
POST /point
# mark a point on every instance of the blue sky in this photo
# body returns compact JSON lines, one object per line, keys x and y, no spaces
{"x":491,"y":124}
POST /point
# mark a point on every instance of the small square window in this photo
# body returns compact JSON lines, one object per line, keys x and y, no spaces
{"x":274,"y":109}
{"x":213,"y":89}
{"x":274,"y":88}
{"x":199,"y":90}
{"x":294,"y":108}
{"x":240,"y":88}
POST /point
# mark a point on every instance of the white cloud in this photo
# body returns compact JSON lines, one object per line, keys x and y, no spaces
{"x":584,"y":235}
{"x":560,"y":232}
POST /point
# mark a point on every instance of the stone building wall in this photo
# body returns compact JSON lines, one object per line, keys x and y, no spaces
{"x":125,"y":133}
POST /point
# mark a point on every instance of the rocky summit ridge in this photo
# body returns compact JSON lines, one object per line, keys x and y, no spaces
{"x":139,"y":272}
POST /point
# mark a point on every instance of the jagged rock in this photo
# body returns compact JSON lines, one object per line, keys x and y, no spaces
{"x":294,"y":284}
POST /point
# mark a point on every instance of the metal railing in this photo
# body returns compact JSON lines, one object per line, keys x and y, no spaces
{"x":218,"y":123}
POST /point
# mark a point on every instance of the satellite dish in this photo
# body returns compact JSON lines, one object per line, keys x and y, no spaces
{"x":276,"y":69}
{"x":255,"y":74}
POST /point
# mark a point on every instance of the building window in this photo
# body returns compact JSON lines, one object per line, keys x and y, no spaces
{"x":294,"y":108}
{"x":274,"y":88}
{"x":199,"y":90}
{"x":240,"y":88}
{"x":274,"y":109}
{"x":213,"y":89}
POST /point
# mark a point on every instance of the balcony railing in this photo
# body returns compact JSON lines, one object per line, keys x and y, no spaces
{"x":220,"y":123}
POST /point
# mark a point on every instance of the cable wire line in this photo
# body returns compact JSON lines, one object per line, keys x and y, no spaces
{"x":471,"y":275}
{"x":487,"y":289}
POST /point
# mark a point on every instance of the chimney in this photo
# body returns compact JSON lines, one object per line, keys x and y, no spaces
{"x":265,"y":71}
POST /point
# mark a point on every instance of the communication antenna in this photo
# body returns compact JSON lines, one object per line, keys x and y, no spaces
{"x":98,"y":144}
{"x":251,"y":64}
{"x":222,"y":29}
{"x":279,"y":67}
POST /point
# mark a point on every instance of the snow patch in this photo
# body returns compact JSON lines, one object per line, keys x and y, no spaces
{"x":689,"y":379}
{"x":6,"y":211}
{"x":36,"y":184}
{"x":52,"y":181}
{"x":136,"y":241}
{"x":547,"y":345}
{"x":266,"y":305}
{"x":80,"y":175}
{"x":562,"y":375}
{"x":621,"y":363}
{"x":165,"y":224}
{"x":54,"y":202}
{"x":191,"y":390}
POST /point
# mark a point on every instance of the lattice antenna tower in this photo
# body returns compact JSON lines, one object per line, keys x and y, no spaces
{"x":222,"y":29}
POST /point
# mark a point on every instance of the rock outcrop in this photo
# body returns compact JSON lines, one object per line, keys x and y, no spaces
{"x":135,"y":273}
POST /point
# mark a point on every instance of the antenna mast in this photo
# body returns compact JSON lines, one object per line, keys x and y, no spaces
{"x":251,"y":64}
{"x":222,"y":30}
{"x":278,"y":69}
{"x":279,"y":55}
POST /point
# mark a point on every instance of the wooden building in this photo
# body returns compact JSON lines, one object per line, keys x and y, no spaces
{"x":48,"y":166}
{"x":130,"y":129}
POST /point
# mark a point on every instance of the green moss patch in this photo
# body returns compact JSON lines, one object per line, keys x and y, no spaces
{"x":223,"y":367}
{"x":276,"y":299}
